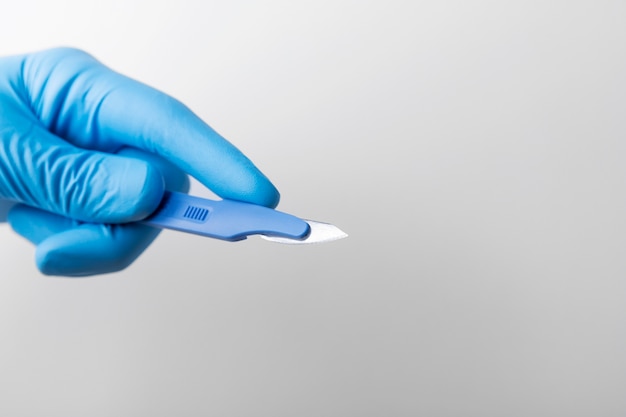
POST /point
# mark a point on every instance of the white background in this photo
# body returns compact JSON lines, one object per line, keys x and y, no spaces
{"x":474,"y":151}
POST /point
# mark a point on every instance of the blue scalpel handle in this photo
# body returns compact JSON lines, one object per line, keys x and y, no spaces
{"x":224,"y":219}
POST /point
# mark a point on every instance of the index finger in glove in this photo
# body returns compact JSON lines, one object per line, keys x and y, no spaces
{"x":86,"y":103}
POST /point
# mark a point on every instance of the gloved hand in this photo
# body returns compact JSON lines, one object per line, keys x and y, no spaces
{"x":85,"y":152}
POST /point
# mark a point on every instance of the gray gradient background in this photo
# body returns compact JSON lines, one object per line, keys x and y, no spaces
{"x":475,"y":152}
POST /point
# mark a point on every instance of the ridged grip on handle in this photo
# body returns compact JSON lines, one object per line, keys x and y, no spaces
{"x":224,"y":219}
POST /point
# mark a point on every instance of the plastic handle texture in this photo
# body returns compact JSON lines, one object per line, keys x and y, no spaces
{"x":224,"y":219}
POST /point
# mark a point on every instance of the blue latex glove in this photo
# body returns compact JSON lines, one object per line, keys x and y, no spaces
{"x":85,"y":152}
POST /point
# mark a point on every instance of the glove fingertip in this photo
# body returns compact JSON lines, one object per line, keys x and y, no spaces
{"x":253,"y":187}
{"x":271,"y":196}
{"x":265,"y":194}
{"x":45,"y":264}
{"x":134,"y":191}
{"x":151,"y":193}
{"x":55,"y":257}
{"x":92,"y":249}
{"x":47,"y":260}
